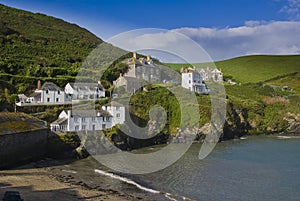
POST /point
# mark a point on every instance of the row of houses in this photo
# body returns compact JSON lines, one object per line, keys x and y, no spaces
{"x":145,"y":69}
{"x":50,"y":94}
{"x":90,"y":120}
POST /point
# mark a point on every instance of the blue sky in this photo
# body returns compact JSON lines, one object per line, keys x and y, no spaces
{"x":106,"y":18}
{"x":195,"y":18}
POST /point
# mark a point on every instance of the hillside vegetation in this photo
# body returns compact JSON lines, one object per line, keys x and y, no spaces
{"x":39,"y":47}
{"x":253,"y":69}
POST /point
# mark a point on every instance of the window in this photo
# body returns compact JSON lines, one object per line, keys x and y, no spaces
{"x":48,"y":100}
{"x":189,"y":75}
{"x":83,"y":127}
{"x":103,"y":118}
{"x":103,"y":126}
{"x":76,"y":128}
{"x":189,"y":81}
{"x":118,"y":115}
{"x":107,"y":118}
{"x":83,"y":119}
{"x":58,"y":92}
{"x":57,"y":99}
{"x":47,"y":91}
{"x":75,"y":119}
{"x":117,"y":108}
{"x":94,"y":127}
{"x":93,"y":119}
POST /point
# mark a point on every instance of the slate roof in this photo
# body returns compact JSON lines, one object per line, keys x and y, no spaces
{"x":50,"y":86}
{"x":90,"y":113}
{"x":60,"y":121}
{"x":83,"y":86}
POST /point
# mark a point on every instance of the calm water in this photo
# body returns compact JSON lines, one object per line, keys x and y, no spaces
{"x":259,"y":168}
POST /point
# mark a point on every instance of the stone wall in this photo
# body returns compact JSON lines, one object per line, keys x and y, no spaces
{"x":19,"y":148}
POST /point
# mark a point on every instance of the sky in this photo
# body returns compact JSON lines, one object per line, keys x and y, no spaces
{"x":224,"y":28}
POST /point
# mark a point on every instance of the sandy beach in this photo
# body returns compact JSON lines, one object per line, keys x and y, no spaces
{"x":47,"y":184}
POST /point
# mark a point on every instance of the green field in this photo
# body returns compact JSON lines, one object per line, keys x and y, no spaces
{"x":253,"y":69}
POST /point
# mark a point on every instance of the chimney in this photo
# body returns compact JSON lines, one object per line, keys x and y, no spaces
{"x":39,"y":85}
{"x":148,"y":58}
{"x":134,"y":55}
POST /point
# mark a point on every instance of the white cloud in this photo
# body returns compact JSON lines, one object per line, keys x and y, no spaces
{"x":255,"y":37}
{"x":292,"y":9}
{"x":281,"y":37}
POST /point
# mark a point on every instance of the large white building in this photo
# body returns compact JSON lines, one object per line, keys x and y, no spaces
{"x":192,"y":80}
{"x":81,"y":120}
{"x":51,"y":94}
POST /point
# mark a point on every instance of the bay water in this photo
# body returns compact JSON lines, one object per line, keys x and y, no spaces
{"x":258,"y":168}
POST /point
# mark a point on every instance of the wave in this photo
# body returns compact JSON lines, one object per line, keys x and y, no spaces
{"x":126,"y":180}
{"x":70,"y":171}
{"x":129,"y":181}
{"x":288,"y":137}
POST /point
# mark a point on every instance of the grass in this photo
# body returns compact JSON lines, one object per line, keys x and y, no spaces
{"x":252,"y":69}
{"x":18,"y":122}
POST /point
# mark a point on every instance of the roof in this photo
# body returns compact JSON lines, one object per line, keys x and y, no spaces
{"x":50,"y":86}
{"x":35,"y":94}
{"x":11,"y":122}
{"x":90,"y":113}
{"x":114,"y":103}
{"x":82,"y":85}
{"x":60,"y":121}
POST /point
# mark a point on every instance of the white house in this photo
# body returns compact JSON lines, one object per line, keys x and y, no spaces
{"x":117,"y":110}
{"x":48,"y":94}
{"x":80,"y":120}
{"x":84,"y":91}
{"x":209,"y":74}
{"x":192,"y":80}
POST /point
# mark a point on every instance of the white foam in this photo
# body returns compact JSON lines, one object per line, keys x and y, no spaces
{"x":70,"y":171}
{"x":126,"y":180}
{"x":167,"y":195}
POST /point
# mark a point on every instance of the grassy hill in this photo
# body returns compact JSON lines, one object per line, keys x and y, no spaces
{"x":260,"y":68}
{"x":254,"y":69}
{"x":35,"y":47}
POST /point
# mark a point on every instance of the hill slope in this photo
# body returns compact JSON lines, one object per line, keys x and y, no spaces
{"x":36,"y":45}
{"x":260,"y":68}
{"x":253,"y":69}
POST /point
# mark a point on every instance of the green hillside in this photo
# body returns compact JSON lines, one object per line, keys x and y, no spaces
{"x":35,"y":46}
{"x":38,"y":47}
{"x":254,"y":69}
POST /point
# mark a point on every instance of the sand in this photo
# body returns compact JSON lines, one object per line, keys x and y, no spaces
{"x":42,"y":184}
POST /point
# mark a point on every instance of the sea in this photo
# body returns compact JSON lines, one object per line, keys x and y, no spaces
{"x":254,"y":168}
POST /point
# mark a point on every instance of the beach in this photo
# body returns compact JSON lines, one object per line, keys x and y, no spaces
{"x":48,"y":184}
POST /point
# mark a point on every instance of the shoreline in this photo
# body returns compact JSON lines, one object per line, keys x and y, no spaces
{"x":43,"y":181}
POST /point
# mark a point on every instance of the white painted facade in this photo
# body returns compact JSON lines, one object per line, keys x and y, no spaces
{"x":117,"y":110}
{"x":50,"y":94}
{"x":84,"y":91}
{"x":193,"y":81}
{"x":80,"y":120}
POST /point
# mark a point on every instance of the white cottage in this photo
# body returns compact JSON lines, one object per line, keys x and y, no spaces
{"x":193,"y":81}
{"x":80,"y":120}
{"x":117,"y":110}
{"x":84,"y":91}
{"x":48,"y":94}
